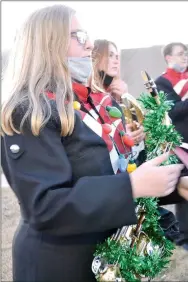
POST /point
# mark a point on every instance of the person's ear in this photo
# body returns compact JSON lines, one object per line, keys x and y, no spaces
{"x":168,"y":58}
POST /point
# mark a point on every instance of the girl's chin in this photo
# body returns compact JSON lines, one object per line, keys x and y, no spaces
{"x":113,"y":73}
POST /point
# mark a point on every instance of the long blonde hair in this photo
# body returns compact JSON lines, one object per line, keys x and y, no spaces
{"x":100,"y":52}
{"x":38,"y":62}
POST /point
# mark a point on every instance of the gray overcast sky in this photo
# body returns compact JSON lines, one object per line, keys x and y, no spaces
{"x":129,"y":24}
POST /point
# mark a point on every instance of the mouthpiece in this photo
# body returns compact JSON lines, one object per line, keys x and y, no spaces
{"x":150,"y":86}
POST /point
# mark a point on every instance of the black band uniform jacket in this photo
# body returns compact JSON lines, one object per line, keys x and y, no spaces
{"x":70,"y":193}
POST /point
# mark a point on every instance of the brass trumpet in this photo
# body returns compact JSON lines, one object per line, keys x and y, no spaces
{"x":131,"y":109}
{"x":133,"y":112}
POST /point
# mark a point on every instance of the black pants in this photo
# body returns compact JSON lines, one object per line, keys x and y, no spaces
{"x":175,"y":227}
{"x":35,"y":260}
{"x":178,"y":235}
{"x":182,"y":217}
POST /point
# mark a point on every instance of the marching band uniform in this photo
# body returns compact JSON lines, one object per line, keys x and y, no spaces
{"x":70,"y":191}
{"x":175,"y":85}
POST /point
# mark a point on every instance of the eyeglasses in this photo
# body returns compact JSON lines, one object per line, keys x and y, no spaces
{"x":80,"y":35}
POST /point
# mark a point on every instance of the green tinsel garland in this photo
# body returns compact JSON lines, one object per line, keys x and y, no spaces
{"x":130,"y":262}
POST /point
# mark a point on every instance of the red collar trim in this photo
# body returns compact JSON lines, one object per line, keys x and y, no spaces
{"x":174,"y":73}
{"x":81,"y":91}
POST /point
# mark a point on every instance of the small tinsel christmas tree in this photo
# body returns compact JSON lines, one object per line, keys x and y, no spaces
{"x":125,"y":257}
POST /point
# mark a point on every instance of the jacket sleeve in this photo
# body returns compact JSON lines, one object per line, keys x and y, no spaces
{"x":41,"y":177}
{"x":180,"y":108}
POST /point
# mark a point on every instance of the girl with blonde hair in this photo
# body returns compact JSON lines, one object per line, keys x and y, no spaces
{"x":61,"y":154}
{"x":106,"y":65}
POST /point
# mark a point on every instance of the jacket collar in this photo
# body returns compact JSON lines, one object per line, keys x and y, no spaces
{"x":81,"y":91}
{"x":174,"y":73}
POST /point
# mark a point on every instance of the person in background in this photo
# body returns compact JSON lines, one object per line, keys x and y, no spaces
{"x":174,"y":82}
{"x":106,"y":65}
{"x":58,"y":157}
